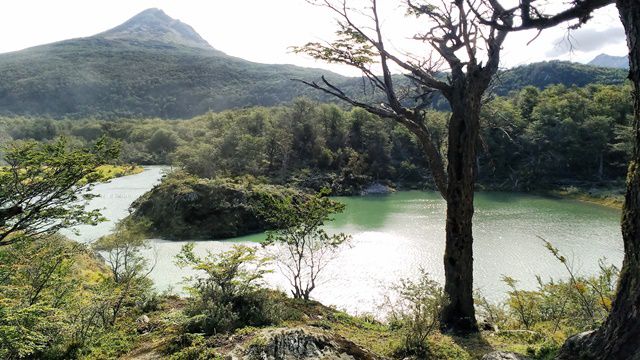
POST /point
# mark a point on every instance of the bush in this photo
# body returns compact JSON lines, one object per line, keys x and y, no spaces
{"x":193,"y":347}
{"x":414,"y":311}
{"x":229,"y":295}
{"x":569,"y":306}
{"x":488,"y":313}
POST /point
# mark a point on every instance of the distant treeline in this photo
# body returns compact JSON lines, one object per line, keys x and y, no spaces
{"x":530,"y":139}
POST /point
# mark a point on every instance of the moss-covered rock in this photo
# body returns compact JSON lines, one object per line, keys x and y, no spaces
{"x":184,"y":207}
{"x":343,"y":184}
{"x":301,"y":343}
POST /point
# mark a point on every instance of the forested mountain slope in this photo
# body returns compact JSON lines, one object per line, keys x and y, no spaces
{"x":152,"y":65}
{"x":156,"y":66}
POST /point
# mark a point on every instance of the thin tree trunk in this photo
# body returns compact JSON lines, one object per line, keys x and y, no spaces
{"x":459,"y":314}
{"x":601,"y":165}
{"x":619,"y":336}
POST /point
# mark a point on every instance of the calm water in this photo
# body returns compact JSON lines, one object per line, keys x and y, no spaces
{"x":395,"y":235}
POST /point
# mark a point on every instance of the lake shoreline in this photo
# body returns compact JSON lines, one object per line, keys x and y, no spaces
{"x":607,"y":198}
{"x":610,"y":195}
{"x":395,"y":234}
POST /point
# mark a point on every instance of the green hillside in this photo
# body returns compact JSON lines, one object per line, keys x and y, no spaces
{"x":101,"y":77}
{"x":547,"y":73}
{"x":156,"y":66}
{"x":140,"y":68}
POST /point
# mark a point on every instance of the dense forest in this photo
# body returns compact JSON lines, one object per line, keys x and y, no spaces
{"x":531,"y":139}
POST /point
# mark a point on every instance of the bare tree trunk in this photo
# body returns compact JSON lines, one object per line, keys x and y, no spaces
{"x":619,"y":336}
{"x":459,"y":314}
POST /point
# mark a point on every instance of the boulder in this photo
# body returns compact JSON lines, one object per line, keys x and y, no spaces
{"x":487,"y":325}
{"x":502,"y":355}
{"x":575,"y":346}
{"x":300,"y":343}
{"x":143,"y":324}
{"x":376,"y":189}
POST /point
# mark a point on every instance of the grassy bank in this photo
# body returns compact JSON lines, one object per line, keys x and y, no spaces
{"x":166,"y":338}
{"x":109,"y":172}
{"x":610,"y":196}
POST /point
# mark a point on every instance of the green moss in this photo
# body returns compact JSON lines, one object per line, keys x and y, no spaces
{"x":187,"y":207}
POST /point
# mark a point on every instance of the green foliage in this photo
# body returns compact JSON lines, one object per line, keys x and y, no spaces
{"x":350,"y":48}
{"x":128,"y":281}
{"x":187,"y":207}
{"x":58,"y":301}
{"x":536,"y":139}
{"x":531,"y":139}
{"x":227,"y":292}
{"x":567,"y":307}
{"x":490,"y":314}
{"x":162,"y":142}
{"x":109,"y":344}
{"x":194,"y":347}
{"x":52,"y":290}
{"x":44,"y":187}
{"x":414,"y":310}
{"x":25,"y":331}
{"x":49,"y":289}
{"x":38,"y":270}
{"x":300,"y":246}
{"x":547,"y":73}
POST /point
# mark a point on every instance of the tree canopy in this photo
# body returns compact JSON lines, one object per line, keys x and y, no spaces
{"x":44,"y":186}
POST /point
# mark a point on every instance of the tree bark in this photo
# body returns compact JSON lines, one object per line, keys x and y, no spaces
{"x":458,"y":315}
{"x":619,"y":336}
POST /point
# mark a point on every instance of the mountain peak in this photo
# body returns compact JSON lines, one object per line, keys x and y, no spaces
{"x":154,"y":25}
{"x":150,"y":15}
{"x":610,"y":61}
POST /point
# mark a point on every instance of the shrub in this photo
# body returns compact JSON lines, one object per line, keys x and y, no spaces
{"x":414,"y":311}
{"x":300,"y":246}
{"x":576,"y":304}
{"x":228,"y":293}
{"x":193,"y":347}
{"x":492,"y":313}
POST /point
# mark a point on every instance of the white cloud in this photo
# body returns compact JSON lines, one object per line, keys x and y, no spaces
{"x":587,"y":40}
{"x":260,"y":30}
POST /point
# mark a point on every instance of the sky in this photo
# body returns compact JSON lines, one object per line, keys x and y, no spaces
{"x":264,"y":30}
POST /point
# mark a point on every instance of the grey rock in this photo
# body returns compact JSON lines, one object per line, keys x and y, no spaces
{"x":487,"y":325}
{"x":300,"y":343}
{"x":143,"y":324}
{"x":574,"y":344}
{"x":376,"y":189}
{"x":502,"y":355}
{"x":144,"y":319}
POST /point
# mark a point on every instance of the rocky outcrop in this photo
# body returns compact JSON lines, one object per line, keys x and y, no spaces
{"x":300,"y":343}
{"x":184,"y":207}
{"x":501,"y":355}
{"x":376,"y":189}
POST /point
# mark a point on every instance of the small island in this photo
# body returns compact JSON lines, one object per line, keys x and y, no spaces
{"x":184,"y":207}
